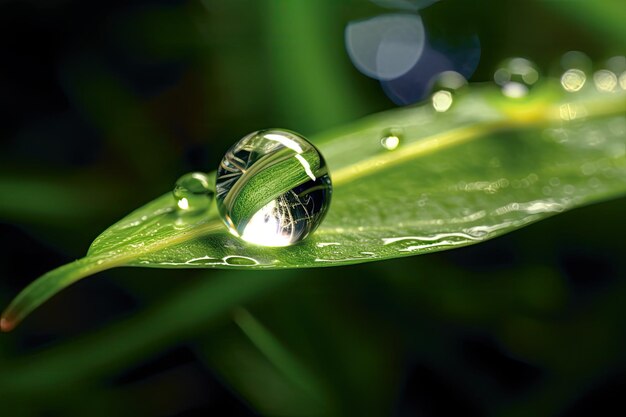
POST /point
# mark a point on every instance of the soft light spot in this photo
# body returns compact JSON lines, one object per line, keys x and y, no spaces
{"x":514,"y":90}
{"x":442,"y":100}
{"x":391,"y":139}
{"x":390,"y":142}
{"x":605,"y":81}
{"x":183,"y":204}
{"x":576,"y":59}
{"x":516,"y":76}
{"x":385,"y":47}
{"x":573,"y":80}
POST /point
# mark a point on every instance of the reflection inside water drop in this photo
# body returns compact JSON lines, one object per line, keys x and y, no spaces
{"x":616,"y":64}
{"x":193,"y":192}
{"x":273,"y":188}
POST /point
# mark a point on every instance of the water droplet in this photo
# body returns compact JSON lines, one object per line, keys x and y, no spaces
{"x":391,"y":138}
{"x":442,"y":100}
{"x":516,"y":76}
{"x":446,"y":85}
{"x":273,"y":188}
{"x":193,"y":192}
{"x":573,"y":80}
{"x":605,"y":81}
{"x":240,"y":260}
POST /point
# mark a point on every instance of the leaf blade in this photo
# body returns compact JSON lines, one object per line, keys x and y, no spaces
{"x":489,"y":166}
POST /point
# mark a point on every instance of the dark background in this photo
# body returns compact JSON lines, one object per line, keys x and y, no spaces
{"x":105,"y":103}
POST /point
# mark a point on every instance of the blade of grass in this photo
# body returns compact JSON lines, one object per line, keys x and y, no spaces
{"x":109,"y":350}
{"x":279,"y":355}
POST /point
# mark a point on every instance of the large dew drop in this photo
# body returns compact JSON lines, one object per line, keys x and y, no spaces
{"x":273,"y":188}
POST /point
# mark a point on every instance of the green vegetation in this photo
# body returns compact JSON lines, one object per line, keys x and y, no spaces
{"x":525,"y":324}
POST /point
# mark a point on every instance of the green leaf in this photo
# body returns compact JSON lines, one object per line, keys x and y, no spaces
{"x":486,"y":167}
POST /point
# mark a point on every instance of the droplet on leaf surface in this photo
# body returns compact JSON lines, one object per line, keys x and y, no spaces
{"x":391,"y":138}
{"x":273,"y":188}
{"x":516,"y":76}
{"x":193,"y":192}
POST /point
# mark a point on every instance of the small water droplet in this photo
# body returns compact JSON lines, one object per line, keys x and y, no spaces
{"x":447,"y":84}
{"x":516,"y":76}
{"x":273,"y":188}
{"x":605,"y":81}
{"x":573,"y":80}
{"x":193,"y":192}
{"x":391,"y":138}
{"x":240,"y":261}
{"x":442,"y":100}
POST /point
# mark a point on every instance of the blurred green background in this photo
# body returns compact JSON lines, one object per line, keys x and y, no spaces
{"x":105,"y":103}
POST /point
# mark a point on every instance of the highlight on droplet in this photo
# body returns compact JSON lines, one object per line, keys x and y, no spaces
{"x":442,"y":100}
{"x":391,"y":138}
{"x":193,"y":192}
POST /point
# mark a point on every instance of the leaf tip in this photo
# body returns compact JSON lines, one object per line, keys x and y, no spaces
{"x":6,"y":325}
